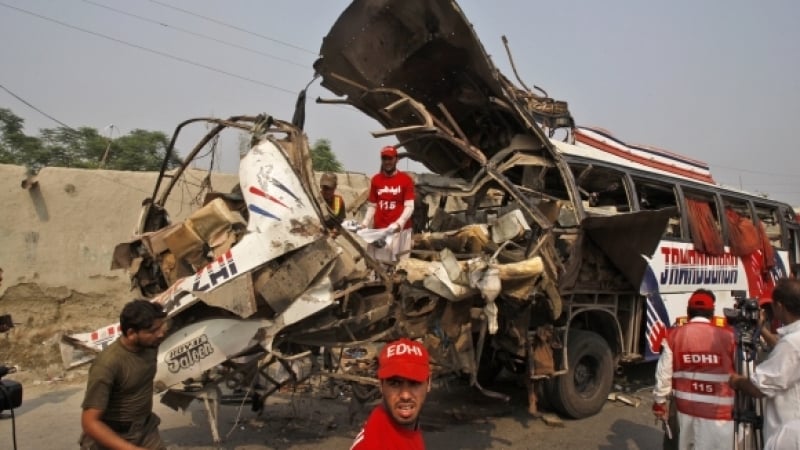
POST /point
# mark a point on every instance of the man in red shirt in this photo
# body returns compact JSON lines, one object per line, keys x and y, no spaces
{"x":389,"y":207}
{"x":405,"y":377}
{"x":696,"y":361}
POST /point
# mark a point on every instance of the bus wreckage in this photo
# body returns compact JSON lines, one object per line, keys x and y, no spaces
{"x":517,"y":261}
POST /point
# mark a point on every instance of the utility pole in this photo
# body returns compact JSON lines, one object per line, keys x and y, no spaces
{"x":108,"y":145}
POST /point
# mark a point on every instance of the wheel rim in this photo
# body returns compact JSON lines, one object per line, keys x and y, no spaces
{"x":585,"y":376}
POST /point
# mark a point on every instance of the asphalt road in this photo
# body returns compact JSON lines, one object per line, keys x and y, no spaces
{"x":455,"y":417}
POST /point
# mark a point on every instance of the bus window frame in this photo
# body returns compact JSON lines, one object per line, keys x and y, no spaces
{"x":638,"y":178}
{"x":621,"y":171}
{"x":679,"y":185}
{"x":778,"y":215}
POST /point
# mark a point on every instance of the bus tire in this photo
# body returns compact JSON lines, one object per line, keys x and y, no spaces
{"x":582,"y":391}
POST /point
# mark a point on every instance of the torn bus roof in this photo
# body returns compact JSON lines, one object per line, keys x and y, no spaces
{"x":418,"y":68}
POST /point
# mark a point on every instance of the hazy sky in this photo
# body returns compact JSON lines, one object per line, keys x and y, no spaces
{"x":715,"y":80}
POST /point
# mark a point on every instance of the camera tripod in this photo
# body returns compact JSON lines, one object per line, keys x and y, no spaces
{"x":747,"y":411}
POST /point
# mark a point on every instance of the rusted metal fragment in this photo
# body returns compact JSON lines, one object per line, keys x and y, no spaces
{"x":624,"y":238}
{"x":429,"y":51}
{"x":124,"y":254}
{"x":509,"y":226}
{"x":293,"y":274}
{"x":518,"y":279}
{"x":456,"y":356}
{"x":236,"y":296}
{"x":365,"y":314}
{"x":308,"y":226}
{"x":472,"y":239}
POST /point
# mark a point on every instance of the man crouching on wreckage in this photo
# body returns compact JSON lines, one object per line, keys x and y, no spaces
{"x":251,"y":281}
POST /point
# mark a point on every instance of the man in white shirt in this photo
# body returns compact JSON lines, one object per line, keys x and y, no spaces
{"x":787,"y":438}
{"x":777,"y":379}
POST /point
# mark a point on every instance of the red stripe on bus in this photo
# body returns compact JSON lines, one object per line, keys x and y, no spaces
{"x":642,"y":160}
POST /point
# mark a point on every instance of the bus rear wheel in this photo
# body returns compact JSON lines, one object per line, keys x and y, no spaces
{"x":582,"y":391}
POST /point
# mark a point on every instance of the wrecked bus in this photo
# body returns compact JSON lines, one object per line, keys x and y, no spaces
{"x":558,"y":259}
{"x":617,"y":229}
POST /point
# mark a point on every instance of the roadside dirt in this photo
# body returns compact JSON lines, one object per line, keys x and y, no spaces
{"x":40,"y":317}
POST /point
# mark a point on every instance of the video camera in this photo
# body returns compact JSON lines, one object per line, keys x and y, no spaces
{"x":10,"y":391}
{"x":745,"y":314}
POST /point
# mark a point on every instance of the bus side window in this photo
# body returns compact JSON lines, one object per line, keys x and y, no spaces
{"x":704,"y":223}
{"x":652,"y":196}
{"x":770,"y":219}
{"x":743,"y":236}
{"x":603,"y":190}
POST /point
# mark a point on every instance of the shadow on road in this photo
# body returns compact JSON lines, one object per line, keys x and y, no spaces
{"x":47,"y":399}
{"x":631,"y":435}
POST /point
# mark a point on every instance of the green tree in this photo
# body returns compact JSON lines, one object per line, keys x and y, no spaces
{"x":67,"y":147}
{"x":15,"y":146}
{"x":322,"y":157}
{"x":140,"y":150}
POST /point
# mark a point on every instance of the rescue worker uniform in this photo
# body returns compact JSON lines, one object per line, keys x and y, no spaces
{"x":406,"y":360}
{"x":381,"y":433}
{"x":389,"y":206}
{"x":696,"y":361}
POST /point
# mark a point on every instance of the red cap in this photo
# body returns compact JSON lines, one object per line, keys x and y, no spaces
{"x":404,"y":358}
{"x":702,"y":301}
{"x":389,"y":151}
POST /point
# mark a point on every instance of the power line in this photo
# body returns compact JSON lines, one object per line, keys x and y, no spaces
{"x":200,"y":35}
{"x":773,"y":184}
{"x":753,"y":171}
{"x":157,"y":52}
{"x":219,"y":22}
{"x":36,"y":109}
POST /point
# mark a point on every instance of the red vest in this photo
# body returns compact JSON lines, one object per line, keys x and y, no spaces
{"x":702,"y":362}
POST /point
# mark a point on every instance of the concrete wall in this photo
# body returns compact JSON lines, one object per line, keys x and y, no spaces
{"x":62,"y":233}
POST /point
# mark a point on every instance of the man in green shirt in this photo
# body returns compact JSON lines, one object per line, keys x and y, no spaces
{"x":118,"y":405}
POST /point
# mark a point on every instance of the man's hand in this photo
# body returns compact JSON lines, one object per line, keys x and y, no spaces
{"x":735,"y":380}
{"x":660,"y":410}
{"x":394,"y":228}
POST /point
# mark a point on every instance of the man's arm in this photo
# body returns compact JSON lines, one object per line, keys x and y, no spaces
{"x":663,"y":381}
{"x":408,"y":210}
{"x":368,"y":215}
{"x":100,"y":432}
{"x":764,"y":323}
{"x":769,"y":337}
{"x":742,"y":383}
